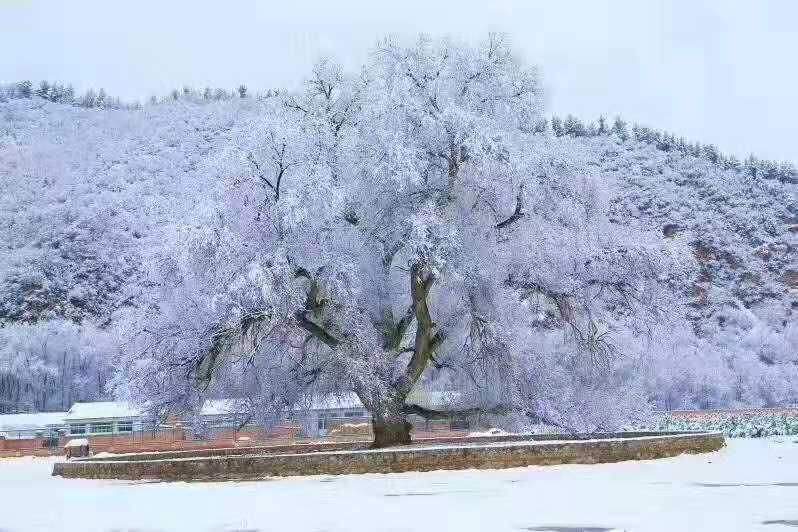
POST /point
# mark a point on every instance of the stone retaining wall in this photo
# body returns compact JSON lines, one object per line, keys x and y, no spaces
{"x":357,"y":445}
{"x":485,"y":455}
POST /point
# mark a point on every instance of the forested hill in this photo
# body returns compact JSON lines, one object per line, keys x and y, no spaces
{"x":87,"y":194}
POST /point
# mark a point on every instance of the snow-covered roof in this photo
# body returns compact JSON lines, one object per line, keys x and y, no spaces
{"x":26,"y":422}
{"x":435,"y":399}
{"x":102,"y":410}
{"x":332,"y":402}
{"x":221,"y":407}
{"x":431,"y":399}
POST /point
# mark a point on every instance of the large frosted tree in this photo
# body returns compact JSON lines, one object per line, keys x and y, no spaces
{"x":391,"y":229}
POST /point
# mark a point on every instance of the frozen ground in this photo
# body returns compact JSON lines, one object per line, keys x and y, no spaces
{"x":748,"y":486}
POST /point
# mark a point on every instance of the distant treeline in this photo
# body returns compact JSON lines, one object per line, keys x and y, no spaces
{"x":58,"y":93}
{"x":665,"y":141}
{"x":91,"y":99}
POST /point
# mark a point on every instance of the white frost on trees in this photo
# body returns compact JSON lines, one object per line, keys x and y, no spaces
{"x":394,"y":226}
{"x":166,"y":219}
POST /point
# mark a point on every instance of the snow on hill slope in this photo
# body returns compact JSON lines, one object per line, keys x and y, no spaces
{"x":743,"y":229}
{"x":87,"y":194}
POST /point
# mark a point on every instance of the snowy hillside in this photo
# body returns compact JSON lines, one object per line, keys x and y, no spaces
{"x":743,"y":229}
{"x":88,"y":194}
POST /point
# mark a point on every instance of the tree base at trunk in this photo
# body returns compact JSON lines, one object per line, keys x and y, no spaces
{"x":390,"y":433}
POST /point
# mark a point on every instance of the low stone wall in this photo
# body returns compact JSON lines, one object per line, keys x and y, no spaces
{"x":286,"y":448}
{"x":473,"y":455}
{"x":357,"y":445}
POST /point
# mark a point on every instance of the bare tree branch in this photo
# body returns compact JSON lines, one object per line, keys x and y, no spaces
{"x":316,"y":330}
{"x":519,"y":210}
{"x":429,"y":413}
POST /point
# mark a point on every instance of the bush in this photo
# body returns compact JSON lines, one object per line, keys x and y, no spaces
{"x":736,"y":426}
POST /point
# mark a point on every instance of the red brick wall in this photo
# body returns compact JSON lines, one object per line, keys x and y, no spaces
{"x":15,"y":445}
{"x":166,"y":440}
{"x":30,"y":447}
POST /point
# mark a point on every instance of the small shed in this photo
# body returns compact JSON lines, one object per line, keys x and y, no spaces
{"x":77,"y":448}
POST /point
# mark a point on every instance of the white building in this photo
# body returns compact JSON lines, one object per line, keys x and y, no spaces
{"x":224,"y":412}
{"x":319,"y":415}
{"x":104,"y":418}
{"x":315,"y":416}
{"x":30,"y":426}
{"x":217,"y":416}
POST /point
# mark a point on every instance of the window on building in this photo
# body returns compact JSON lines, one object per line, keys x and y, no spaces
{"x":100,"y":428}
{"x":354,"y":413}
{"x":124,"y":426}
{"x":77,"y":429}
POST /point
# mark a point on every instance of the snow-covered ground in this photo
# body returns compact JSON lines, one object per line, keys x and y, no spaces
{"x":749,"y":485}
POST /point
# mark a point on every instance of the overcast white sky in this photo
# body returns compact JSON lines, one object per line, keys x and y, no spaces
{"x":722,"y":72}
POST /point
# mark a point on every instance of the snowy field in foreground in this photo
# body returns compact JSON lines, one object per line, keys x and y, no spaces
{"x":749,"y":485}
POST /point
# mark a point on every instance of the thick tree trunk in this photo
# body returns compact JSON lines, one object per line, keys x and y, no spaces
{"x":394,"y":430}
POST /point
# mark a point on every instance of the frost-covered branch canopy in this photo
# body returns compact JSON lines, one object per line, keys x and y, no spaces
{"x":390,"y":229}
